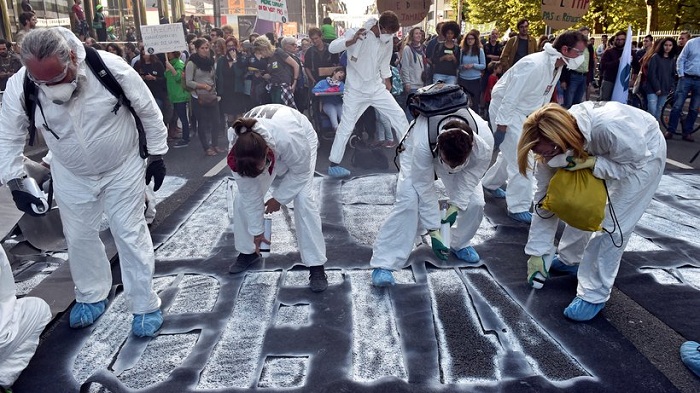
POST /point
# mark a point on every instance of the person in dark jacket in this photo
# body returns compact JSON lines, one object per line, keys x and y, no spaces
{"x":661,"y":76}
{"x":609,"y":63}
{"x":231,"y":70}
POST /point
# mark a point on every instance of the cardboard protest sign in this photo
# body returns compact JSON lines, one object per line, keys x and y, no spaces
{"x":562,"y":14}
{"x":273,"y":10}
{"x":163,"y":38}
{"x":410,"y":12}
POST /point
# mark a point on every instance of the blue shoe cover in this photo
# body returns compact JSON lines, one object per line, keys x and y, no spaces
{"x":382,"y":278}
{"x":498,"y":193}
{"x":581,"y":310}
{"x":559,"y":266}
{"x":338,"y":171}
{"x":467,"y":254}
{"x":690,"y":355}
{"x":85,"y":314}
{"x":146,"y":325}
{"x":524,"y":217}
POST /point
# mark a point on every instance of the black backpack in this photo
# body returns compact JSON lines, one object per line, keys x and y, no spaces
{"x":438,"y":102}
{"x":98,"y":67}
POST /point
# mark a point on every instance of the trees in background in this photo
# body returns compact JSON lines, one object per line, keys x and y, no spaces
{"x":603,"y":15}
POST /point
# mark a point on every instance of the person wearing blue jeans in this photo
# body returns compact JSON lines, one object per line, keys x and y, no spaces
{"x":661,"y":72}
{"x":575,"y":89}
{"x":181,"y":111}
{"x":688,"y":68}
{"x":577,"y":79}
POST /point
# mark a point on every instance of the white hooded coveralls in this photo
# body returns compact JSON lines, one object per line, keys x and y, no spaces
{"x":525,"y":87}
{"x":292,"y":139}
{"x":21,"y":324}
{"x":631,"y":156}
{"x":416,"y":207}
{"x":96,"y":169}
{"x":368,"y":67}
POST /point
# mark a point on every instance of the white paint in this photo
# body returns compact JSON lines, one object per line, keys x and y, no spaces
{"x":685,"y":275}
{"x":295,"y":315}
{"x":161,"y":357}
{"x":678,"y":164}
{"x":236,"y":357}
{"x":216,"y":168}
{"x":376,"y":346}
{"x":201,"y":231}
{"x":671,"y":222}
{"x":284,"y":372}
{"x":196,"y":294}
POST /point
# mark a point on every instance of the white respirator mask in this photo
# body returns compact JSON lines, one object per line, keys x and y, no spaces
{"x":59,"y":94}
{"x":573,"y":63}
{"x":456,"y":169}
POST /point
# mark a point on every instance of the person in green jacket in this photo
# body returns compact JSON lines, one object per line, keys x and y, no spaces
{"x":177,"y":94}
{"x":328,"y":31}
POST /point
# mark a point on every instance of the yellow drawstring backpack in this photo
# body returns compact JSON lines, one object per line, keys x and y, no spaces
{"x":578,"y":198}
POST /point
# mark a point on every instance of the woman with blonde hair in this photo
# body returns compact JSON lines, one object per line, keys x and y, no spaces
{"x":621,"y":145}
{"x":282,"y":72}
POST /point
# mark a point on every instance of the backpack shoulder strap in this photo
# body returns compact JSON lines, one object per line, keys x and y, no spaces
{"x":30,"y":102}
{"x":99,"y":68}
{"x":435,"y":123}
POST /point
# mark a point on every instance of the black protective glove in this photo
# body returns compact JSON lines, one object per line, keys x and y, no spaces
{"x":498,"y":137}
{"x":24,"y":197}
{"x":155,"y":171}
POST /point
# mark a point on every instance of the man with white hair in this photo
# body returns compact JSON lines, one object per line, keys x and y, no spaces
{"x":96,"y":167}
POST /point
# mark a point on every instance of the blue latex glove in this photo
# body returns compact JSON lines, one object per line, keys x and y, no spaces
{"x":438,"y":245}
{"x":451,"y":216}
{"x":498,"y":137}
{"x":576,"y":164}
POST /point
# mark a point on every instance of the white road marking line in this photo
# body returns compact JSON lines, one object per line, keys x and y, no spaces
{"x":216,"y":169}
{"x":678,"y":164}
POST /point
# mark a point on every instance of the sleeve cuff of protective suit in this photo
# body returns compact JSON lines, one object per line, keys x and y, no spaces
{"x":603,"y":169}
{"x":282,"y":199}
{"x":255,"y":230}
{"x":154,"y":157}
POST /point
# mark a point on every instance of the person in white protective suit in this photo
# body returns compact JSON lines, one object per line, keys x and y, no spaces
{"x":268,"y":142}
{"x":21,"y":323}
{"x":526,"y":86}
{"x":367,"y":82}
{"x":96,"y":168}
{"x":150,"y":197}
{"x":621,"y":145}
{"x":462,"y":155}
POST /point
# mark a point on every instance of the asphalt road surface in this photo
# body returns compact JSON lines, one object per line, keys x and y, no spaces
{"x":447,"y":326}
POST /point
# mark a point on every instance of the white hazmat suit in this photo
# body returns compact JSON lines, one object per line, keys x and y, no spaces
{"x":367,"y":68}
{"x":293,"y":141}
{"x":630,"y":153}
{"x":21,"y":324}
{"x":416,"y":207}
{"x":96,"y":169}
{"x":525,"y":87}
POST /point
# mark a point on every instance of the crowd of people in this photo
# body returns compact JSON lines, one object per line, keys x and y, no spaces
{"x":527,"y":100}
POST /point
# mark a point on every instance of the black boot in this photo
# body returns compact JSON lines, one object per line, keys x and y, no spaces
{"x":318,"y":281}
